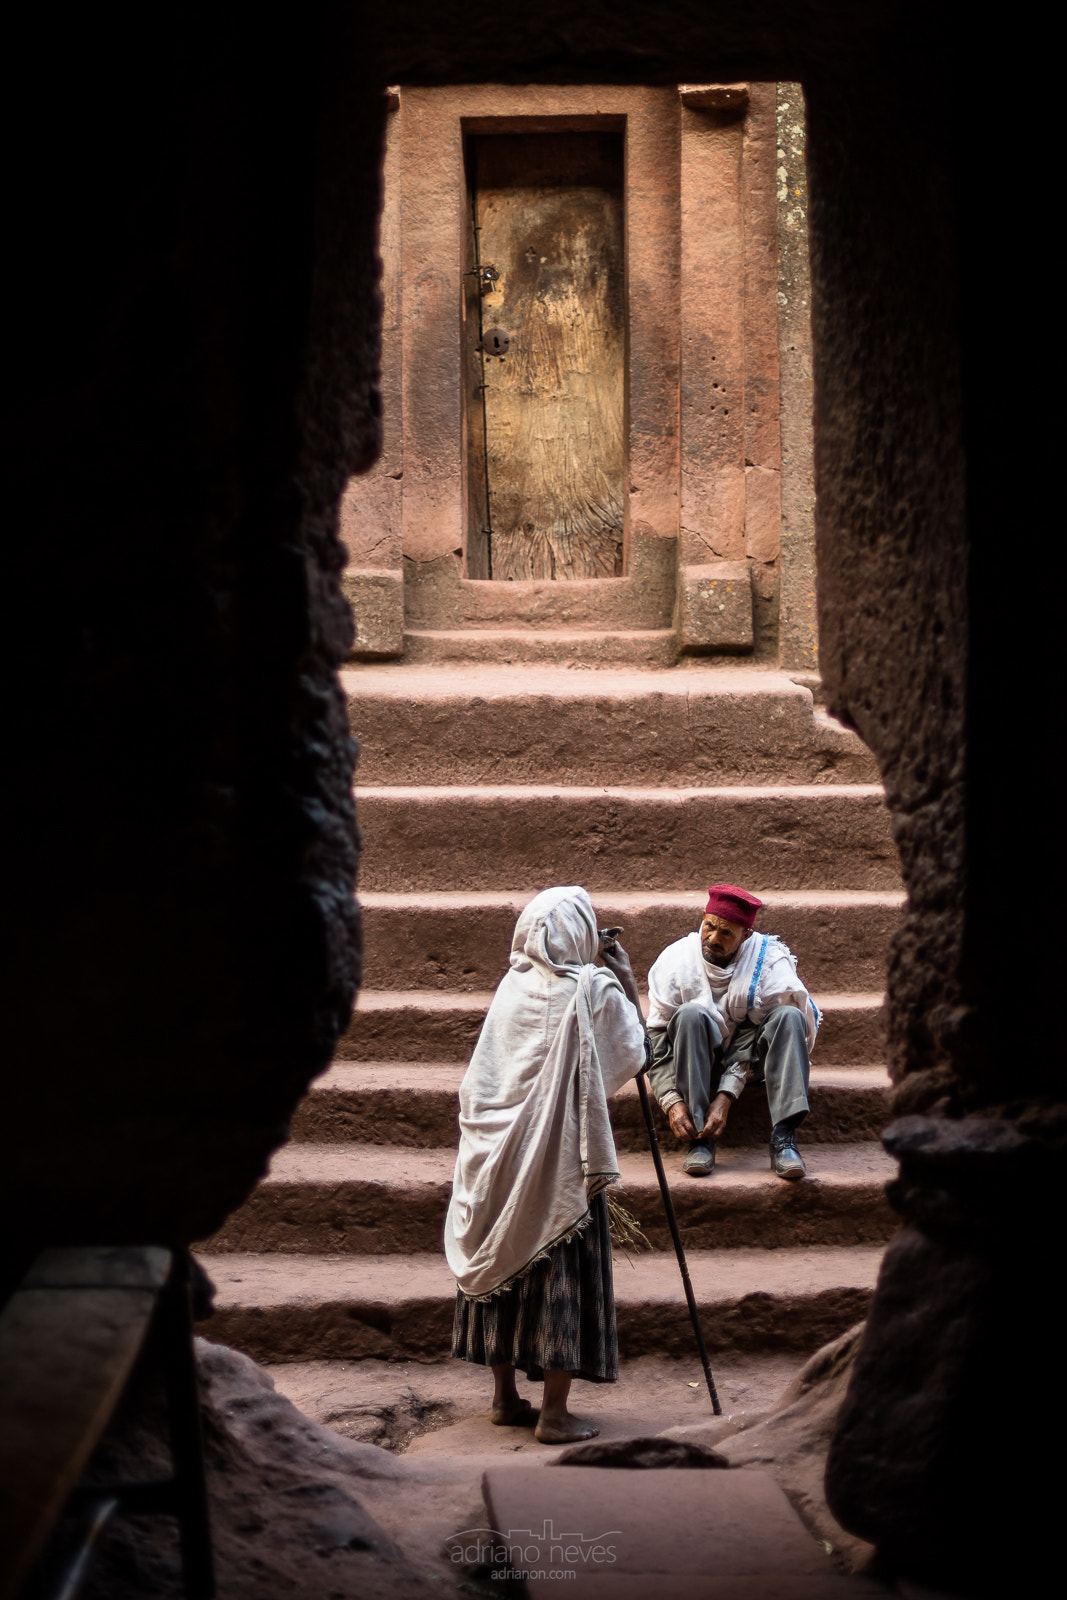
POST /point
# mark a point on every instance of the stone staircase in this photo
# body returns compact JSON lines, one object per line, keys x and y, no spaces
{"x":478,"y":786}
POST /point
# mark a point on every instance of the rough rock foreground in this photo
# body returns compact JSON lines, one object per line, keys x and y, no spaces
{"x":283,"y":1490}
{"x":791,"y":1442}
{"x":298,"y":1509}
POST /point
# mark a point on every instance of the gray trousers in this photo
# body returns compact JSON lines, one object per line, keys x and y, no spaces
{"x":687,"y":1057}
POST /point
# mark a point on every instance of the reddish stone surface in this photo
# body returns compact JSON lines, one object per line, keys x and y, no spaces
{"x":374,"y":1198}
{"x":568,"y":647}
{"x":714,"y":96}
{"x":667,"y":1525}
{"x":475,"y":838}
{"x":377,"y":600}
{"x":286,"y":1500}
{"x":393,"y":1307}
{"x":438,"y":1408}
{"x":797,"y":621}
{"x":713,"y":352}
{"x":790,"y":1440}
{"x":355,"y":1206}
{"x":369,"y":513}
{"x":690,"y":727}
{"x":415,"y":1104}
{"x":433,"y":191}
{"x":715,"y":608}
{"x":179,"y":470}
{"x":438,"y":596}
{"x":460,"y":941}
{"x":430,"y":1025}
{"x":702,"y":350}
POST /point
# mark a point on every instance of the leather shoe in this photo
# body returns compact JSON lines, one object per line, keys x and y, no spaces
{"x":700,"y":1158}
{"x":786,"y":1160}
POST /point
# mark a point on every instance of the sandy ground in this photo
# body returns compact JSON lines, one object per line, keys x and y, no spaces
{"x":307,"y":1504}
{"x":435,"y":1418}
{"x":442,"y":1408}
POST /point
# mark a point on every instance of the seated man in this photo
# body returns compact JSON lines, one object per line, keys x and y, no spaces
{"x":724,"y":1007}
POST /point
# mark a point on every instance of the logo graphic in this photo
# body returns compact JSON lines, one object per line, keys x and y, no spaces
{"x":533,"y":1553}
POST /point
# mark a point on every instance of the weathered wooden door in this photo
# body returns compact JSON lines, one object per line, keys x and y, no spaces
{"x":546,"y":346}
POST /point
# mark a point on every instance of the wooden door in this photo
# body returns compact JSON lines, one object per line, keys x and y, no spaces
{"x":545,"y":435}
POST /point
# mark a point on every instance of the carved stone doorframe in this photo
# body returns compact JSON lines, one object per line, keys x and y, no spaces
{"x":702,"y":512}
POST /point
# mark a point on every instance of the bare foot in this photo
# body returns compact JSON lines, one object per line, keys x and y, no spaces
{"x":564,"y":1430}
{"x":519,"y":1414}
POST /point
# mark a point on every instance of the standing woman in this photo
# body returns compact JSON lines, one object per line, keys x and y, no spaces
{"x":527,"y":1231}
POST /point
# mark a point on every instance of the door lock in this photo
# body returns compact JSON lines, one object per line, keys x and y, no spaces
{"x":495,"y":342}
{"x":486,"y":277}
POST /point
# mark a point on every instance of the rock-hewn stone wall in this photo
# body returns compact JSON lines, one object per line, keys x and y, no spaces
{"x":196,"y":377}
{"x":890,"y":517}
{"x":198,"y":291}
{"x":798,"y":636}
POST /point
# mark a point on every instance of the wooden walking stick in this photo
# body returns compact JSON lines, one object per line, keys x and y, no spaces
{"x":679,"y":1249}
{"x":608,"y":937}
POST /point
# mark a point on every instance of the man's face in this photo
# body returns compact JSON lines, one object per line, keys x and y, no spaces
{"x":721,"y":940}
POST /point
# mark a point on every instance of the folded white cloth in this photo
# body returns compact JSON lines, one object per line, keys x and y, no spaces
{"x":535,"y":1138}
{"x":762,"y":975}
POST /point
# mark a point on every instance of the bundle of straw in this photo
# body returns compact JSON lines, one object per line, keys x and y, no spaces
{"x":624,"y":1227}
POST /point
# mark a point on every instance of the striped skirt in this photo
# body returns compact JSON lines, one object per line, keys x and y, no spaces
{"x":559,"y":1318}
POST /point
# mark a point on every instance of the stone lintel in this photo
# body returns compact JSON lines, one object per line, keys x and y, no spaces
{"x":714,"y":96}
{"x":715,"y":608}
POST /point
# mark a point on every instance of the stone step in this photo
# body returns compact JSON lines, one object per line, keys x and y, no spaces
{"x":378,"y":1199}
{"x":387,"y":1307}
{"x":696,"y":724}
{"x":415,"y":1104}
{"x":436,"y":1025}
{"x":442,"y":940}
{"x":817,"y":837}
{"x":586,"y":647}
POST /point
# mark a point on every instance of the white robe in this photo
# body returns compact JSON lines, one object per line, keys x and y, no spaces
{"x":762,"y":975}
{"x":535,"y":1138}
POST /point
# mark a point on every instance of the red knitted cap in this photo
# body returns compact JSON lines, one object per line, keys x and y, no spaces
{"x":735,"y":905}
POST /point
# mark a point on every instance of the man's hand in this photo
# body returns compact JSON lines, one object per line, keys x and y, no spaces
{"x":682,"y":1124}
{"x":718,"y":1112}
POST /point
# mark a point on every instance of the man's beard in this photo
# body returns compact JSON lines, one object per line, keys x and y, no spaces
{"x":717,"y":960}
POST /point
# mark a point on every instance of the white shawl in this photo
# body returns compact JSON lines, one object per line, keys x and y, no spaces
{"x":762,"y":975}
{"x":535,"y":1137}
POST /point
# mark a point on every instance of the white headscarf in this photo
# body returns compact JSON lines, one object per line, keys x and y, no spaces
{"x":535,"y":1137}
